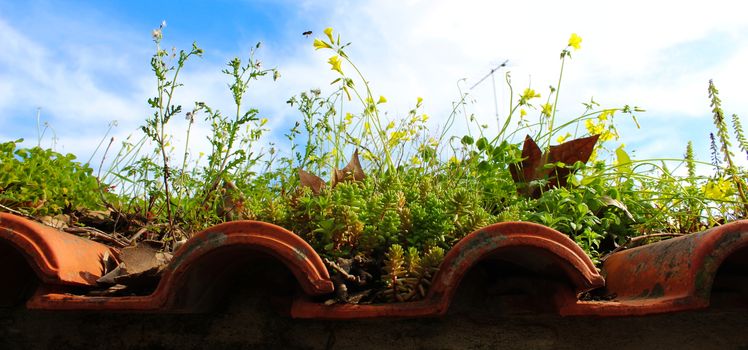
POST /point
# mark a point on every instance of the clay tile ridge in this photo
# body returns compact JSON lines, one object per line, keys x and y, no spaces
{"x":667,"y":276}
{"x":672,"y":275}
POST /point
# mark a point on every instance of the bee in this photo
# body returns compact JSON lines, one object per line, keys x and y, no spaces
{"x":307,"y":33}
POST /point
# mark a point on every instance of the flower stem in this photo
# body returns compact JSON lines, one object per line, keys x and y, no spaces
{"x":558,"y":90}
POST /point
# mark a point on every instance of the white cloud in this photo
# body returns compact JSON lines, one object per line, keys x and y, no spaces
{"x":643,"y":53}
{"x":638,"y":52}
{"x":77,"y":87}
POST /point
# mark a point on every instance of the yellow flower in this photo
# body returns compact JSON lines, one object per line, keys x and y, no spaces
{"x":348,"y":118}
{"x":335,"y":63}
{"x":391,"y":125}
{"x":381,"y":100}
{"x":328,"y":32}
{"x":319,"y":44}
{"x":604,"y":114}
{"x":547,"y":110}
{"x":607,"y":135}
{"x":522,"y":113}
{"x":424,"y":117}
{"x":418,"y":102}
{"x":593,"y":128}
{"x":368,"y":156}
{"x":717,"y":190}
{"x":415,"y":160}
{"x":397,"y":137}
{"x":563,"y":138}
{"x":574,"y":41}
{"x":529,"y":94}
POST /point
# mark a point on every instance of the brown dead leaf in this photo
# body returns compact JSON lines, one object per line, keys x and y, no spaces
{"x":570,"y":152}
{"x":351,"y":172}
{"x":138,"y":259}
{"x":108,"y":263}
{"x":139,"y":265}
{"x":98,"y":215}
{"x":524,"y":172}
{"x":95,"y":218}
{"x":314,"y":182}
{"x":59,"y":221}
{"x":618,"y":204}
{"x":533,"y":164}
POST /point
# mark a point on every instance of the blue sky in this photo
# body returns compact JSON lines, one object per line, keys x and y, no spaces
{"x":86,"y":64}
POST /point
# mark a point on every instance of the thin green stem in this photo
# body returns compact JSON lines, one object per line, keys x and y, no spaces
{"x":558,"y":92}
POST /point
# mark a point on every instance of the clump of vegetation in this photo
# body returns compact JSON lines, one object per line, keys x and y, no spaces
{"x":407,"y":193}
{"x":408,"y":276}
{"x":43,"y":182}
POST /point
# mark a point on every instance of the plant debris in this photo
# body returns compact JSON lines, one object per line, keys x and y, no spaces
{"x":140,"y":266}
{"x":552,"y":167}
{"x":351,"y":279}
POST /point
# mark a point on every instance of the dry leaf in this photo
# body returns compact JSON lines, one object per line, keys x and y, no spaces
{"x":352,"y":171}
{"x":59,"y":221}
{"x":533,"y":164}
{"x":570,"y":152}
{"x":139,"y":265}
{"x":618,"y":204}
{"x":108,"y":263}
{"x":531,"y":161}
{"x":314,"y":182}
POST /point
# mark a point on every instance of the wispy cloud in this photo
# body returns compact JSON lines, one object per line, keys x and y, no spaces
{"x":657,"y":55}
{"x":79,"y":87}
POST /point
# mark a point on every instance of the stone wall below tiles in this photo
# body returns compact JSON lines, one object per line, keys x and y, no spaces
{"x":248,"y":321}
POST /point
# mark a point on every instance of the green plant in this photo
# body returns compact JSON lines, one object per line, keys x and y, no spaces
{"x":177,"y":198}
{"x":43,"y":182}
{"x":724,"y":138}
{"x":737,"y":127}
{"x":164,"y":109}
{"x":411,"y":195}
{"x":407,"y":277}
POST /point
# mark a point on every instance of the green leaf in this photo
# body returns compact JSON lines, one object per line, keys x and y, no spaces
{"x":482,"y":143}
{"x":623,"y":160}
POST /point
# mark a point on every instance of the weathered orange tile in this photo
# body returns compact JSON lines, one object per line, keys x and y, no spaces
{"x":667,"y":276}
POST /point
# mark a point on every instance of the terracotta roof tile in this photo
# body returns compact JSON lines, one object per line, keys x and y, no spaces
{"x":668,"y":276}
